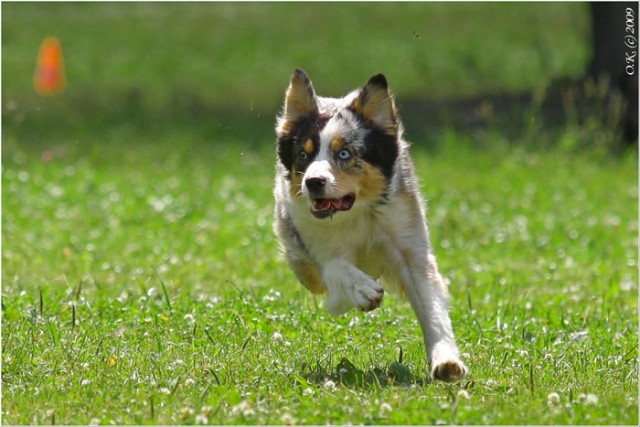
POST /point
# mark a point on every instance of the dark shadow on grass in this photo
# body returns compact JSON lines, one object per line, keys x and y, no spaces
{"x":346,"y":373}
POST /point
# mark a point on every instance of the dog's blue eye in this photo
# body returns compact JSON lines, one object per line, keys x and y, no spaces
{"x":303,"y":155}
{"x":344,"y":154}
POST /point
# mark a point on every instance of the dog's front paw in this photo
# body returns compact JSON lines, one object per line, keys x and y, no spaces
{"x":365,"y":295}
{"x":450,"y":371}
{"x":349,"y":288}
{"x":368,"y":296}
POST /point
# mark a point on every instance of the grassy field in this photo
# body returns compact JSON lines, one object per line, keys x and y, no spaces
{"x":141,"y":285}
{"x":140,"y":277}
{"x":240,"y":55}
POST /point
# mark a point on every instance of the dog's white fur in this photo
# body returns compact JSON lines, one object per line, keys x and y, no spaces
{"x":348,"y":252}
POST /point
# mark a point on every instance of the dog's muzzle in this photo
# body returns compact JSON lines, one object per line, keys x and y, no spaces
{"x":322,"y":207}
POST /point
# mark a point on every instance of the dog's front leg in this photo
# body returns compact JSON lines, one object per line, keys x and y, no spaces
{"x":429,"y":299}
{"x":348,"y":288}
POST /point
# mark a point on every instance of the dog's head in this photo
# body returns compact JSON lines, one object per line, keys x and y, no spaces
{"x":338,"y":152}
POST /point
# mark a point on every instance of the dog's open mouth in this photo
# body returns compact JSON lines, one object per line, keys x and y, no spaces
{"x":322,"y":208}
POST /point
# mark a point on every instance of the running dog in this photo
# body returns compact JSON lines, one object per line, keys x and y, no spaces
{"x":348,"y":210}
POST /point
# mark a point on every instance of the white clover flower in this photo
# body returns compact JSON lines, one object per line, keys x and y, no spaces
{"x":287,"y":419}
{"x":123,"y":297}
{"x":272,"y":295}
{"x":277,"y":336}
{"x":553,"y":398}
{"x":186,"y":411}
{"x":85,"y":382}
{"x":243,"y":408}
{"x":588,"y":399}
{"x":329,"y":385}
{"x":464,"y":394}
{"x":202,"y":419}
{"x":165,"y":390}
{"x":385,"y":408}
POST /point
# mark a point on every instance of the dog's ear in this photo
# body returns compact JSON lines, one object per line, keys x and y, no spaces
{"x":375,"y":104}
{"x":300,"y":100}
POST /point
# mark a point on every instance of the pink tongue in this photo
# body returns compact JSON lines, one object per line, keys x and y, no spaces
{"x":330,"y":204}
{"x":334,"y":204}
{"x":338,"y":204}
{"x":326,"y":204}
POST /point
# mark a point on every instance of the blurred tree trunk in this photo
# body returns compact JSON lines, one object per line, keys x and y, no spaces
{"x":615,"y":55}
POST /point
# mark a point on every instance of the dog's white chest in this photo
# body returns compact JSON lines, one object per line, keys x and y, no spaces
{"x":361,"y":240}
{"x":374,"y":261}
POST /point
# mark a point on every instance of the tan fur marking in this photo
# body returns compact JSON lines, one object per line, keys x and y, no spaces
{"x":372,"y":182}
{"x":376,"y":104}
{"x":299,"y":99}
{"x":347,"y":183}
{"x":337,"y":143}
{"x":310,"y":278}
{"x":308,"y":147}
{"x":368,"y":184}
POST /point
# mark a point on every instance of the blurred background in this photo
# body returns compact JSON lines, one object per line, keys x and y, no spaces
{"x":522,"y":71}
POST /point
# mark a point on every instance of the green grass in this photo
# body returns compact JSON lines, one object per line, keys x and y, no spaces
{"x":140,"y":277}
{"x":241,"y":55}
{"x":165,"y":259}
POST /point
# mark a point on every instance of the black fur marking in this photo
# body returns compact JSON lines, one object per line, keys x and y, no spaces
{"x":378,"y":80}
{"x":381,"y":150}
{"x":291,"y":144}
{"x":296,"y":235}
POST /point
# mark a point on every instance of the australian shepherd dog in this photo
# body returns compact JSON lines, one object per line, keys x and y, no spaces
{"x":348,"y":211}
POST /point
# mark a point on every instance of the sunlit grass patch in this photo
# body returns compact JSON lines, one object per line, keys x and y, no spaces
{"x":135,"y":300}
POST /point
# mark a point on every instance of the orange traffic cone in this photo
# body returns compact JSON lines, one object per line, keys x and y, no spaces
{"x":49,"y":77}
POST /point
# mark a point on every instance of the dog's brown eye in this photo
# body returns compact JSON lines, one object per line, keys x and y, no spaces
{"x":303,"y":155}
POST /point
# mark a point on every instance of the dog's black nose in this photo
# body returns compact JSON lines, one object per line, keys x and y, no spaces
{"x":316,"y":184}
